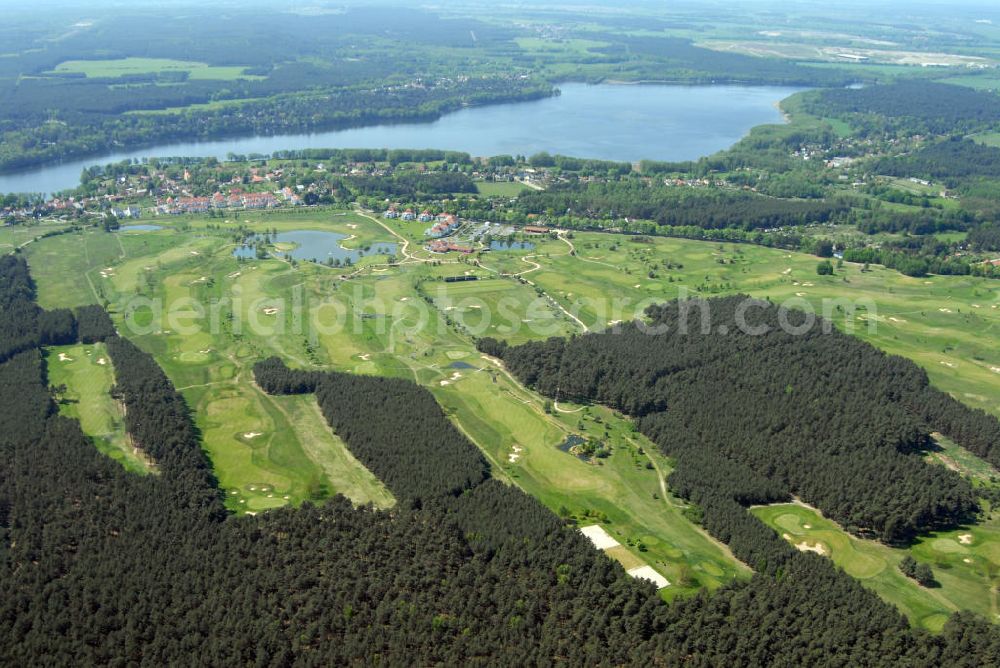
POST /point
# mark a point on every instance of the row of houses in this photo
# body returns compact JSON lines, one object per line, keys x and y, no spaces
{"x":445,"y":225}
{"x":182,"y":205}
{"x":444,"y":246}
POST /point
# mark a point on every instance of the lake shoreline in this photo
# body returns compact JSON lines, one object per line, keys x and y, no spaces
{"x":608,"y":121}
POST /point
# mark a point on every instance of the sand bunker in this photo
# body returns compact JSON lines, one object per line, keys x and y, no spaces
{"x":945,"y":310}
{"x":102,"y":361}
{"x":195,"y":253}
{"x":252,"y":434}
{"x":601,"y":539}
{"x":800,"y":294}
{"x":967,"y":560}
{"x":63,"y":357}
{"x":271,"y":311}
{"x":804,"y":546}
{"x":950,"y":365}
{"x":787,"y":271}
{"x":235,"y":274}
{"x":514,"y":456}
{"x":899,"y":320}
{"x":648,"y":573}
{"x":807,"y":526}
{"x":995,"y":369}
{"x":365,"y":357}
{"x":965,"y":539}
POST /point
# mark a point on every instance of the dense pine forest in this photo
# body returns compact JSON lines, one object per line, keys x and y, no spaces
{"x":798,"y":409}
{"x":919,"y":106}
{"x":99,"y":566}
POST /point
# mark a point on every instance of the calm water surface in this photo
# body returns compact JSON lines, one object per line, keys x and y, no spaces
{"x":611,"y":122}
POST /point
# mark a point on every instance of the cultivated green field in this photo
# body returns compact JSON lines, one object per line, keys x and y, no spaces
{"x":87,"y":374}
{"x":500,"y":188}
{"x":121,"y":67}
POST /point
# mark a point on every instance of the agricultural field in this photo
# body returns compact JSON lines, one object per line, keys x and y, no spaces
{"x":500,"y":188}
{"x":966,"y":563}
{"x":84,"y":376}
{"x":113,"y":69}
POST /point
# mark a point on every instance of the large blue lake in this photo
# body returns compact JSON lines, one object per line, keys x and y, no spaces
{"x":611,"y":122}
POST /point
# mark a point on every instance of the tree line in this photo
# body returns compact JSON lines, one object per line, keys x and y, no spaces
{"x":100,"y":566}
{"x":813,"y":413}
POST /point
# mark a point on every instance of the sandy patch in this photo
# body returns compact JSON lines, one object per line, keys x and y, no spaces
{"x":454,"y":377}
{"x":967,"y":560}
{"x":251,"y":435}
{"x":976,"y":306}
{"x":800,"y":294}
{"x":271,"y":311}
{"x":63,"y":357}
{"x":235,"y":274}
{"x":251,"y":513}
{"x":404,"y":299}
{"x":601,"y":539}
{"x":899,"y":320}
{"x":787,"y":271}
{"x":807,"y":285}
{"x":365,"y":357}
{"x":818,"y":548}
{"x":945,"y":310}
{"x":807,"y":526}
{"x":102,"y":361}
{"x":965,"y":539}
{"x":352,"y":226}
{"x":515,"y":455}
{"x":950,"y":365}
{"x":195,"y":253}
{"x":995,"y":369}
{"x":637,"y":286}
{"x":648,"y":573}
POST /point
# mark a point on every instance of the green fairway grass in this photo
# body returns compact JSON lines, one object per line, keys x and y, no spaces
{"x":968,"y":574}
{"x":87,"y":373}
{"x":394,"y":321}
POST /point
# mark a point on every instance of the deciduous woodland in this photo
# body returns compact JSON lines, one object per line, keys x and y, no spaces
{"x":98,"y":566}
